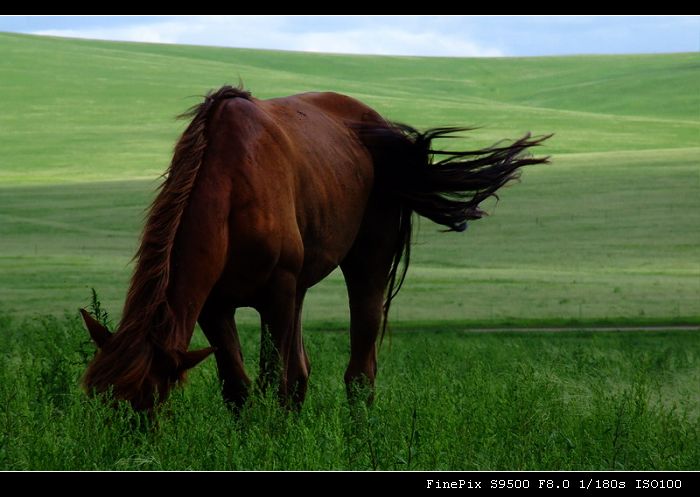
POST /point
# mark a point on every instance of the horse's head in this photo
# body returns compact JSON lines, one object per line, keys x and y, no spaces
{"x":134,"y":370}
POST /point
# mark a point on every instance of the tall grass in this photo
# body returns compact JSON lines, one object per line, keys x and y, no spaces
{"x":445,"y":400}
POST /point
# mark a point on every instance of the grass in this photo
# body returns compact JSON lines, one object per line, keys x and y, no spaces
{"x":607,"y":234}
{"x":446,"y":400}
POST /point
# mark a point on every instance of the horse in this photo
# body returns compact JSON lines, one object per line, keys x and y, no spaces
{"x":261,"y":201}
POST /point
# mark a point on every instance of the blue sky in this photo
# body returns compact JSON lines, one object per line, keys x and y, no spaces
{"x":396,"y":35}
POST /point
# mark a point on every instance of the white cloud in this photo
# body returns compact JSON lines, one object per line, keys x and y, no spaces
{"x":392,"y":42}
{"x":372,"y":37}
{"x":134,"y":33}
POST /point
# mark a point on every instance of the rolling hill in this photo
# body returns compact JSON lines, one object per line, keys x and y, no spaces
{"x":609,"y":231}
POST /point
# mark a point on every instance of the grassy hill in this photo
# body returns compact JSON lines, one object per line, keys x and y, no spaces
{"x":608,"y":232}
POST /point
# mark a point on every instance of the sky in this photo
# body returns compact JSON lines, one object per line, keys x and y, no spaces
{"x":453,"y":36}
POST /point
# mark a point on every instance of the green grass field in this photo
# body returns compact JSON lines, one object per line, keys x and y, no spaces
{"x":608,"y":233}
{"x":445,"y":400}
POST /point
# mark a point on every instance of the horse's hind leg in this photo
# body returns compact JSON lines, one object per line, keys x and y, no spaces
{"x":219,"y":326}
{"x":366,"y":300}
{"x":366,"y":271}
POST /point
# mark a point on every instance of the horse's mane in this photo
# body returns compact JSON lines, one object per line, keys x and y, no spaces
{"x":150,"y":280}
{"x":148,"y":320}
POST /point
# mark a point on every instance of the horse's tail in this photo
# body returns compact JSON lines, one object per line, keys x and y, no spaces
{"x":443,"y":185}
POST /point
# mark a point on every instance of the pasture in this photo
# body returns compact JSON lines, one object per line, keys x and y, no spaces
{"x":606,"y":234}
{"x":446,"y":399}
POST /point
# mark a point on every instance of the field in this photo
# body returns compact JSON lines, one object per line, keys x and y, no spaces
{"x":446,"y":399}
{"x":608,"y":233}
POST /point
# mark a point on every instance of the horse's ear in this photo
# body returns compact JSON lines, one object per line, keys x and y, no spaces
{"x":97,"y":330}
{"x":190,"y":359}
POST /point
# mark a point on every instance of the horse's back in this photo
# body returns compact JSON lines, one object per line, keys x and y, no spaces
{"x":335,"y":104}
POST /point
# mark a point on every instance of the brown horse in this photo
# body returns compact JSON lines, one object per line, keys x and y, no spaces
{"x":262,"y":200}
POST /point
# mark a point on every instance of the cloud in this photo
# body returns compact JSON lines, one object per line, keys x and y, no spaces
{"x":395,"y":36}
{"x":393,"y":42}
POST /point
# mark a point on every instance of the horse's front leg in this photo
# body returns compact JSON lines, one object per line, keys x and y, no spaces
{"x":219,"y":326}
{"x":282,"y":358}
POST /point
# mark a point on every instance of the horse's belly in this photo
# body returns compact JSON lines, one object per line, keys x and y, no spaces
{"x":329,"y":222}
